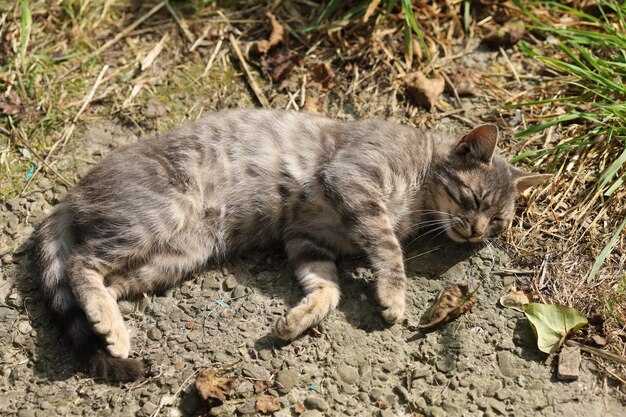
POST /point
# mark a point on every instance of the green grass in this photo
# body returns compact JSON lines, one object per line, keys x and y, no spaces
{"x":593,"y":57}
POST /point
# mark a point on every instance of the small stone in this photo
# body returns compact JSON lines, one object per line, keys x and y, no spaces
{"x":24,"y":327}
{"x":494,"y":387}
{"x":224,"y":410}
{"x":420,"y":373}
{"x":569,"y":363}
{"x":505,"y":364}
{"x":316,"y":403}
{"x":193,"y":335}
{"x":503,"y":394}
{"x":508,"y":281}
{"x":26,"y":413}
{"x":389,"y":367}
{"x":376,"y":394}
{"x":238,"y":292}
{"x":149,"y":408}
{"x":311,"y":413}
{"x":497,"y":406}
{"x":286,"y":379}
{"x":403,"y":394}
{"x":126,"y":307}
{"x":211,"y":283}
{"x":348,"y":374}
{"x":154,"y":334}
{"x":230,"y":283}
{"x":247,"y":408}
{"x":441,"y":378}
{"x":265,"y":354}
{"x":444,"y":365}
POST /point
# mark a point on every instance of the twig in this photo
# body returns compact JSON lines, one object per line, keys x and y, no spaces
{"x":127,"y":30}
{"x":598,"y":352}
{"x":209,"y":64}
{"x":181,"y":23}
{"x":453,"y":88}
{"x":20,"y":137}
{"x":255,"y":87}
{"x":510,"y":65}
{"x":162,"y":403}
{"x":154,"y":52}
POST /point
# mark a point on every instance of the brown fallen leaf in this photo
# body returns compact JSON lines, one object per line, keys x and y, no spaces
{"x":313,"y":105}
{"x":518,"y":298}
{"x":276,"y":36}
{"x":425,"y":91}
{"x":598,"y":340}
{"x":278,"y":67}
{"x":10,"y":104}
{"x":211,"y":386}
{"x":261,"y":385}
{"x":323,"y":76}
{"x":299,"y":408}
{"x":267,"y":404}
{"x":450,"y":304}
{"x":506,"y":35}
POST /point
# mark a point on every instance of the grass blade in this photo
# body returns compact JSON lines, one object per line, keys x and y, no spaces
{"x":25,"y":28}
{"x":606,"y":251}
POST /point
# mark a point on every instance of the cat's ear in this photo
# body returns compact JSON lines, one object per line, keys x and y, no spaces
{"x":480,"y":143}
{"x":524,"y":180}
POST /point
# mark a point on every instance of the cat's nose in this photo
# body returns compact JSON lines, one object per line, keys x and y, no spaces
{"x":477,"y":234}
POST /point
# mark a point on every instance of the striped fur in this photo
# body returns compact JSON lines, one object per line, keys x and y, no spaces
{"x":153,"y":212}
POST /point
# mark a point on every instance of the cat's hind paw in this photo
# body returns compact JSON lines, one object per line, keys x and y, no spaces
{"x":283,"y":330}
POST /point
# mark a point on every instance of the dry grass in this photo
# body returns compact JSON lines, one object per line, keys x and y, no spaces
{"x":84,"y":60}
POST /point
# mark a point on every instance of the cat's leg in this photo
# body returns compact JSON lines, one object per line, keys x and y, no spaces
{"x":316,"y":271}
{"x":86,"y":277}
{"x":375,"y":233}
{"x":160,"y":272}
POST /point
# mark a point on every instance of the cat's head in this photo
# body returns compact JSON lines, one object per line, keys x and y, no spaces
{"x":474,"y":190}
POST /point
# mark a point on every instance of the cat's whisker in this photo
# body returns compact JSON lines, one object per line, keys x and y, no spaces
{"x":445,"y":227}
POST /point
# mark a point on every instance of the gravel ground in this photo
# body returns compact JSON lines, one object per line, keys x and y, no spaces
{"x":483,"y":364}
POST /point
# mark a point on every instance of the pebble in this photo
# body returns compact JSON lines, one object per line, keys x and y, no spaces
{"x":505,"y":365}
{"x":441,"y":378}
{"x":503,"y":394}
{"x":149,"y":408}
{"x":24,"y":327}
{"x":348,"y":374}
{"x":239,"y":291}
{"x":376,"y":394}
{"x":286,"y":379}
{"x":403,"y":394}
{"x":494,"y":387}
{"x":311,"y":413}
{"x":316,"y":403}
{"x":26,"y":413}
{"x":386,"y":413}
{"x":230,"y":282}
{"x":390,"y":367}
{"x":497,"y":406}
{"x":211,"y":283}
{"x":154,"y":334}
{"x":247,"y":408}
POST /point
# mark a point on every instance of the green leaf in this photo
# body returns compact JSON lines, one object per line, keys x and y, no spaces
{"x":553,"y":323}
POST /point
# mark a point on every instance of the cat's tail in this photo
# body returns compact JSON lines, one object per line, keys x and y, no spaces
{"x":54,"y":241}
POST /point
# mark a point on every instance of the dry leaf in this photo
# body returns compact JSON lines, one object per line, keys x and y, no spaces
{"x":313,"y":105}
{"x":370,"y":10}
{"x":261,"y":385}
{"x":518,"y":299}
{"x":425,"y":91}
{"x":598,"y":340}
{"x":276,"y":36}
{"x":506,"y":35}
{"x":10,"y":104}
{"x":211,"y":386}
{"x":323,"y":75}
{"x":267,"y":404}
{"x":279,"y":66}
{"x":450,"y":304}
{"x":299,"y":408}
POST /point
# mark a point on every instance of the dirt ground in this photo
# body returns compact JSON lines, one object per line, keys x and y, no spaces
{"x":484,"y":364}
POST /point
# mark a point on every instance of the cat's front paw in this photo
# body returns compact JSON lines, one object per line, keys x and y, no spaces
{"x":393,"y":313}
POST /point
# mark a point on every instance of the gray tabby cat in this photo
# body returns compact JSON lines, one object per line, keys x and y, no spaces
{"x":153,"y":212}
